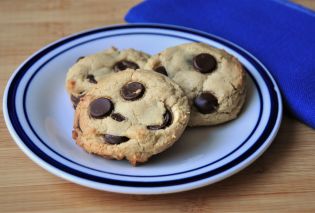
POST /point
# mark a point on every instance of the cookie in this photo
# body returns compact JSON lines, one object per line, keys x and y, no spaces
{"x":132,"y":114}
{"x":213,"y":80}
{"x":89,"y":70}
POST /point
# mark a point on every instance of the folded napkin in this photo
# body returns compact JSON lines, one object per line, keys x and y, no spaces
{"x":279,"y":33}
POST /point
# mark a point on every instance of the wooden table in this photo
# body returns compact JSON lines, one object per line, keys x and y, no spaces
{"x":283,"y":179}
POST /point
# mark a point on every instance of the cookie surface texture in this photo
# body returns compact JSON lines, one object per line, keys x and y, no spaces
{"x":213,"y":80}
{"x":89,"y":70}
{"x":132,"y":115}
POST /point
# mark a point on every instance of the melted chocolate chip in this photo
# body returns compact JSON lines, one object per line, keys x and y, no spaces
{"x":206,"y":103}
{"x":117,"y":117}
{"x":167,"y":121}
{"x":91,"y":79}
{"x":124,"y":64}
{"x":132,"y":91}
{"x":81,"y":57}
{"x":160,"y":69}
{"x":113,"y":139}
{"x":205,"y":63}
{"x":101,"y":107}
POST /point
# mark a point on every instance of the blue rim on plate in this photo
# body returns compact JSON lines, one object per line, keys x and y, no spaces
{"x":273,"y":120}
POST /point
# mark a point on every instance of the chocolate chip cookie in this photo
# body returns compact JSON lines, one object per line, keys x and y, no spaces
{"x":89,"y":70}
{"x":213,"y":80}
{"x":132,"y":114}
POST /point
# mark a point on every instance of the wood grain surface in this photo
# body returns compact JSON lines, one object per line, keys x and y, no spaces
{"x":282,"y":180}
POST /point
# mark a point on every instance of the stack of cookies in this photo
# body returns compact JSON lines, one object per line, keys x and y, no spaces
{"x":131,"y":105}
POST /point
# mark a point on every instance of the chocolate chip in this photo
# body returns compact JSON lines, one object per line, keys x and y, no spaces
{"x":101,"y":107}
{"x":122,"y":65}
{"x":81,"y":57}
{"x":113,"y":139}
{"x":205,"y":63}
{"x":132,"y":91}
{"x":206,"y":103}
{"x":160,"y":69}
{"x":91,"y":79}
{"x":118,"y":117}
{"x":167,"y":120}
{"x":75,"y":100}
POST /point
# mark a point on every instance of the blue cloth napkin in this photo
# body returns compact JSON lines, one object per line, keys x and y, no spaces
{"x":279,"y":33}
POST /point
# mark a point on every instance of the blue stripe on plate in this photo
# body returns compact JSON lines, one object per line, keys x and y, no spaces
{"x":19,"y":129}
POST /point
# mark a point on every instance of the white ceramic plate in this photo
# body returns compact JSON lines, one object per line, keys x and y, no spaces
{"x":39,"y":116}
